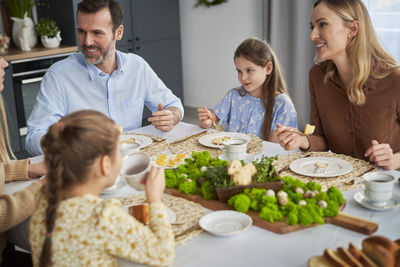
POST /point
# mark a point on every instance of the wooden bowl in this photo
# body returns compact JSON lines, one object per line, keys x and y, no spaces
{"x":224,"y":193}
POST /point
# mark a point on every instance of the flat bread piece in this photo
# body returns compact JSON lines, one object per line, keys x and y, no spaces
{"x":220,"y":140}
{"x":309,"y":129}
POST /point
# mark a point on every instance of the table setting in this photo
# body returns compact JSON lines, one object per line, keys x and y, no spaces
{"x":210,"y":232}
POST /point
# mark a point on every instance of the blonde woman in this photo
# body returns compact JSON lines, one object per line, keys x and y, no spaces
{"x":14,"y":208}
{"x":354,"y":90}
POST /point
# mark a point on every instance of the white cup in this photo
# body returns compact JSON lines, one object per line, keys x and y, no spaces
{"x":135,"y":168}
{"x":128,"y":148}
{"x":378,"y":187}
{"x":235,"y":149}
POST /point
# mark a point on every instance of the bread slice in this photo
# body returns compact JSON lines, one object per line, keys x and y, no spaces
{"x":380,"y":249}
{"x":140,"y":212}
{"x":345,"y":254}
{"x":319,"y":261}
{"x":309,"y":129}
{"x":361,"y":257}
{"x":333,"y":257}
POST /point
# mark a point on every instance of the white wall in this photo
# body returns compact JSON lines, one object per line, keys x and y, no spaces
{"x":209,"y":38}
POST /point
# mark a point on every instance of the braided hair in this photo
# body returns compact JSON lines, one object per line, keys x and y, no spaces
{"x":71,"y":146}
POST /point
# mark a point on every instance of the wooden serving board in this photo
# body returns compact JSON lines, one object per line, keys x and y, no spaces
{"x":280,"y":227}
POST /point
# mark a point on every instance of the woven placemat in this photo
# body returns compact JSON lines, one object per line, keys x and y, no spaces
{"x":156,"y":148}
{"x":187,"y":213}
{"x":187,"y":144}
{"x":342,"y":182}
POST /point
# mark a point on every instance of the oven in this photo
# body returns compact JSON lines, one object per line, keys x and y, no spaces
{"x":27,"y":75}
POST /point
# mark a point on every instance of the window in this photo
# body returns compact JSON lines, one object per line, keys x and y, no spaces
{"x":385,"y":16}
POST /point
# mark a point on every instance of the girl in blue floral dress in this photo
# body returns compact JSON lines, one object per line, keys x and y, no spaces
{"x":261,"y":102}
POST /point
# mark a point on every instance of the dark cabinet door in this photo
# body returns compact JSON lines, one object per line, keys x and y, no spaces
{"x":155,"y":20}
{"x":165,"y":59}
{"x":127,"y":36}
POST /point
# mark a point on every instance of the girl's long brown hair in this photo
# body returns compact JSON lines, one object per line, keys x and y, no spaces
{"x":260,"y":53}
{"x":367,"y":57}
{"x":71,"y":146}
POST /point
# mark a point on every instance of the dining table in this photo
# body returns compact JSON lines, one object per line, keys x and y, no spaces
{"x":257,"y":246}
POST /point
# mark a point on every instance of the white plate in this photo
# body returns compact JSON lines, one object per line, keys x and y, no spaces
{"x":170,"y":157}
{"x":119,"y":183}
{"x":206,"y":140}
{"x":360,"y":198}
{"x":225,"y":222}
{"x":171,"y":214}
{"x":331,"y":167}
{"x":140,"y":139}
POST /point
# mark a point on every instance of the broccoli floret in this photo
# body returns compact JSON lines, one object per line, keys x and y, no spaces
{"x":271,"y":213}
{"x":240,"y":202}
{"x":332,"y":209}
{"x":188,"y":187}
{"x":295,"y":197}
{"x":265,"y":200}
{"x":314,"y":186}
{"x":288,"y":208}
{"x":207,"y":190}
{"x":305,"y":217}
{"x":335,"y":195}
{"x":173,"y":179}
{"x":292,"y":218}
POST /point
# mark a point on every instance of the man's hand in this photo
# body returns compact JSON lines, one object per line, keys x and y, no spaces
{"x":165,"y":119}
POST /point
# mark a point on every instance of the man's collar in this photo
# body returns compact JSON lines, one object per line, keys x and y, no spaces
{"x":95,"y":72}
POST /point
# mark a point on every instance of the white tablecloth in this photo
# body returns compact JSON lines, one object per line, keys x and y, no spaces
{"x":259,"y":247}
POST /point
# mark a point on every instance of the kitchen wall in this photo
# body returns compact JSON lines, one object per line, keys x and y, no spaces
{"x":209,"y":38}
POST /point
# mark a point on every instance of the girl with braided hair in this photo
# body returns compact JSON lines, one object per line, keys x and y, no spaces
{"x":72,"y":225}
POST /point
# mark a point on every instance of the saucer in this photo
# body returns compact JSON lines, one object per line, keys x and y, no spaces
{"x":360,"y":198}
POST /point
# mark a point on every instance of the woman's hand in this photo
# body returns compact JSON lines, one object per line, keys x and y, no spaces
{"x":204,"y":116}
{"x":36,"y":170}
{"x":382,"y":155}
{"x":155,"y":184}
{"x":288,"y":138}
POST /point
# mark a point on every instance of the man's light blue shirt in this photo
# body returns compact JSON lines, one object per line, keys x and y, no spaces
{"x":74,"y":84}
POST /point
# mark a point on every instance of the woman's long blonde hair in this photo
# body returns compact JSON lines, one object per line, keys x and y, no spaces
{"x":5,"y":147}
{"x":260,"y":53}
{"x":367,"y":57}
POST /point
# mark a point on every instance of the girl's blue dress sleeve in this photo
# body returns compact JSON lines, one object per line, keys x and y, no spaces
{"x":284,"y":112}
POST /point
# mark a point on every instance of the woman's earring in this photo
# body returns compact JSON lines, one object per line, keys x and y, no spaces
{"x":349,"y":35}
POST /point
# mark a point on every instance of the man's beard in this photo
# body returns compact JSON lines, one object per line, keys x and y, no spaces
{"x":95,"y":60}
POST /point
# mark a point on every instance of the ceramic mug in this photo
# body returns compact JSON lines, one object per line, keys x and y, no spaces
{"x":135,"y":168}
{"x":128,"y":148}
{"x":235,"y":149}
{"x":378,"y":187}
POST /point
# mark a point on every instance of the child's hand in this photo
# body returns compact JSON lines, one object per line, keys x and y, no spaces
{"x":204,"y":116}
{"x":155,"y":184}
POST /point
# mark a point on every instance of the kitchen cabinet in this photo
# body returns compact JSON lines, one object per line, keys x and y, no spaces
{"x":151,"y":30}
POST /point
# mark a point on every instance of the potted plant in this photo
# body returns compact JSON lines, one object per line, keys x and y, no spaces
{"x":23,"y":30}
{"x":49,"y":32}
{"x":18,"y":8}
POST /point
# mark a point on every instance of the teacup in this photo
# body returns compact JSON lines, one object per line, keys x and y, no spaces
{"x":128,"y":148}
{"x":235,"y":149}
{"x":135,"y":168}
{"x":378,"y":187}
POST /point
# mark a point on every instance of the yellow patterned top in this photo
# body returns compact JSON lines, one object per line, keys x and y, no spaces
{"x":90,"y":231}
